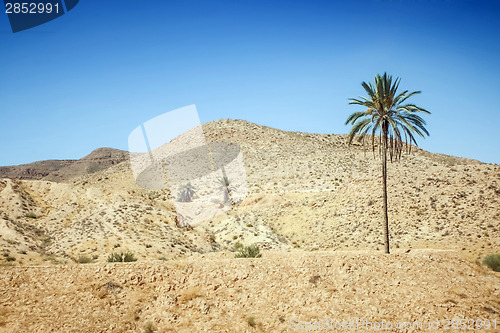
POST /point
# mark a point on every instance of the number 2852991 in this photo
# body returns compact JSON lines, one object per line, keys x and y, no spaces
{"x":30,"y":8}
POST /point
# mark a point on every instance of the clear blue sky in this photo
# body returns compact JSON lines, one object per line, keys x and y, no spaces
{"x":88,"y":78}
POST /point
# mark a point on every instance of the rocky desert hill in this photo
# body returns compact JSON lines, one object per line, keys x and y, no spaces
{"x":313,"y":204}
{"x":307,"y":191}
{"x":61,"y":170}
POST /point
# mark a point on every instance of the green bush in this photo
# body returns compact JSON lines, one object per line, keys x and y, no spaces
{"x":251,"y":321}
{"x":149,"y":327}
{"x":129,"y":257}
{"x":251,"y":251}
{"x":84,"y":259}
{"x":31,"y":215}
{"x":493,"y":262}
{"x":115,"y":257}
{"x":121,"y":257}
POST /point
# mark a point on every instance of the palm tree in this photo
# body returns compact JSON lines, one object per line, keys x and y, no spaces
{"x":392,"y":120}
{"x":186,"y":193}
{"x":226,"y":188}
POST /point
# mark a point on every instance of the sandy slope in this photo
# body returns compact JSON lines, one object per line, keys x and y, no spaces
{"x":307,"y":191}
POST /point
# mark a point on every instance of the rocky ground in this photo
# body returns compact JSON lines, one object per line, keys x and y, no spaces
{"x":275,"y":293}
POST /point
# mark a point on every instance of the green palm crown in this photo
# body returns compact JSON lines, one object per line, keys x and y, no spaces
{"x":387,"y":114}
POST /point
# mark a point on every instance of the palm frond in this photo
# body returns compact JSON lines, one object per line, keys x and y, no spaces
{"x":355,"y":116}
{"x":357,"y":128}
{"x":387,"y":116}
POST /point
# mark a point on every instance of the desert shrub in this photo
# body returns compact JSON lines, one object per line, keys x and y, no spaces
{"x":10,"y":258}
{"x":115,"y":257}
{"x":251,"y":251}
{"x":31,"y":215}
{"x":314,"y":280}
{"x":84,"y":259}
{"x":112,"y":287}
{"x":129,"y":257}
{"x":238,"y":246}
{"x":251,"y":321}
{"x":493,"y":262}
{"x":121,"y":257}
{"x":149,"y":327}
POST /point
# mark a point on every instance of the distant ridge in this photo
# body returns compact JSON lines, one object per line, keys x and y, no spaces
{"x":103,"y":158}
{"x":63,"y":170}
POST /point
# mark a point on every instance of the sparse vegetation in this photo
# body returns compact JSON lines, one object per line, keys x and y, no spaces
{"x":84,"y":259}
{"x":112,"y":286}
{"x":115,"y":257}
{"x":149,"y":327}
{"x":31,"y":215}
{"x":493,"y":262}
{"x":251,"y":321}
{"x":121,"y":257}
{"x":251,"y":251}
{"x":314,"y":280}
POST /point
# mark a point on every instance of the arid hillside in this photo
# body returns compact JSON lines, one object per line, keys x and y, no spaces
{"x":310,"y":202}
{"x":305,"y":191}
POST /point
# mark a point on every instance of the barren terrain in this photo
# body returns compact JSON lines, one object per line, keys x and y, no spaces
{"x":313,"y":203}
{"x":217,"y":293}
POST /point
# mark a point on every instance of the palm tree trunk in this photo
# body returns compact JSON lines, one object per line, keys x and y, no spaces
{"x":384,"y":184}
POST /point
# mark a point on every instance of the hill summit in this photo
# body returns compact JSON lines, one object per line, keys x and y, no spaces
{"x":305,"y":191}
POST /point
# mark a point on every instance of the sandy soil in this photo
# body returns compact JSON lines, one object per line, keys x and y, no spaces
{"x":217,"y":293}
